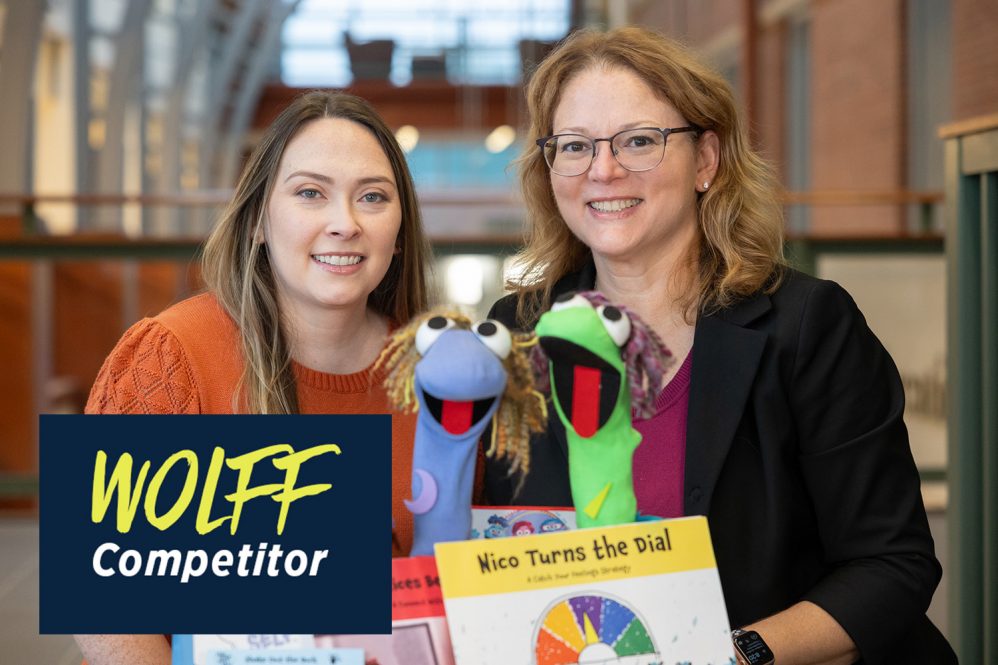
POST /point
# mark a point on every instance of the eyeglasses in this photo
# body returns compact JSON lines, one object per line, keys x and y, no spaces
{"x":639,"y":149}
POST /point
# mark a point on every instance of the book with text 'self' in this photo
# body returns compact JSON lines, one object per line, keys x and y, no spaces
{"x":313,"y":656}
{"x":637,"y":594}
{"x":419,"y":629}
{"x":200,"y":649}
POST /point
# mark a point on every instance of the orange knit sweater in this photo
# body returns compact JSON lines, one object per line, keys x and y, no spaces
{"x":189,"y":360}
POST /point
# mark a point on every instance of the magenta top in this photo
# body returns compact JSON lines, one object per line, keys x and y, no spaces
{"x":660,"y":460}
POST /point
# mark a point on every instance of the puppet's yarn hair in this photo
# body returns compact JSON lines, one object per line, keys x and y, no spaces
{"x":522,"y":409}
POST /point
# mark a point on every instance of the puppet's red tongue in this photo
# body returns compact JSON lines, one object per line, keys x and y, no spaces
{"x":456,"y":416}
{"x":585,"y":401}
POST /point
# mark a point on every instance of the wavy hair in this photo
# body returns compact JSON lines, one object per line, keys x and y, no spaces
{"x":740,"y":220}
{"x":521,"y":409}
{"x":237,"y":270}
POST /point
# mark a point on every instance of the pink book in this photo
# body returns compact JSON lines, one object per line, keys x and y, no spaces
{"x":419,"y":627}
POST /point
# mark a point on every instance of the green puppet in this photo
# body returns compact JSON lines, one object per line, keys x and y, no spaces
{"x":598,"y":357}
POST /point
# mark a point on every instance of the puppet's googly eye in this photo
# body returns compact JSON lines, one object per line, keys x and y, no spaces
{"x":617,"y":324}
{"x":567,"y":300}
{"x":429,"y":331}
{"x":495,"y":336}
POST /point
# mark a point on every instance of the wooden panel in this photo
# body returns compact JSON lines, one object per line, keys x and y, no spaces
{"x":17,"y":429}
{"x":161,"y":284}
{"x":424,"y":104}
{"x":10,"y":226}
{"x":87,"y":318}
{"x":980,"y":153}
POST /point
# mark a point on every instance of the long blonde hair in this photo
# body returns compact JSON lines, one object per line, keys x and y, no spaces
{"x":740,"y":220}
{"x":237,"y":269}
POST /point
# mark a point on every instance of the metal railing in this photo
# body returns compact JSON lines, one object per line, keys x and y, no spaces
{"x":971,"y":150}
{"x":29,"y":242}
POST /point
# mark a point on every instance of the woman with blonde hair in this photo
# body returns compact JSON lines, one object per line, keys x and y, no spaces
{"x":319,"y":255}
{"x":781,"y":419}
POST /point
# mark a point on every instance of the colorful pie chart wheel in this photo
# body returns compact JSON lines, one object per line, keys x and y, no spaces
{"x":591,"y":629}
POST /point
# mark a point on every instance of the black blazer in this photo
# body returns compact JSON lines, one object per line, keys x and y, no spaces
{"x":797,"y":454}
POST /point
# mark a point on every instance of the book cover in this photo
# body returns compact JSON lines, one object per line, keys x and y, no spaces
{"x":313,"y":656}
{"x":636,"y":594}
{"x":200,"y":649}
{"x":505,"y":521}
{"x":419,"y":628}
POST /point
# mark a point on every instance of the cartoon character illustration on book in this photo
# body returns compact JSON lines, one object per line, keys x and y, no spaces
{"x":459,"y":377}
{"x":597,"y":358}
{"x":498,"y":526}
{"x":592,"y":628}
{"x":523,"y":528}
{"x":552,"y":524}
{"x":505,"y":521}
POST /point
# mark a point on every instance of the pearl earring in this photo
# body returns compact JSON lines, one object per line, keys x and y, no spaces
{"x":706,"y":184}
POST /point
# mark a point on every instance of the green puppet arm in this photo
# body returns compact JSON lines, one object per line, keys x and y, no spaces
{"x":589,"y":387}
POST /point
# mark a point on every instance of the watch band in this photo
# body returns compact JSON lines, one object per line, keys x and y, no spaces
{"x":756,"y":651}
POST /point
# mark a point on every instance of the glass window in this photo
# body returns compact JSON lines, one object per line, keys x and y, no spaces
{"x":479,"y":41}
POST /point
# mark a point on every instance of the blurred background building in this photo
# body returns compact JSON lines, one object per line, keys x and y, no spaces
{"x":125,"y":123}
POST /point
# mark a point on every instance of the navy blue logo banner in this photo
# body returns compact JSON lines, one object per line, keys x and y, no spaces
{"x":215,"y":524}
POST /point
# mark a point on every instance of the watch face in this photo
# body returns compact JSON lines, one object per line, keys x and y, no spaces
{"x":753,"y":649}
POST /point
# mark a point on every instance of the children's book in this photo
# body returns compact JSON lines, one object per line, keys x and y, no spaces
{"x":419,"y":629}
{"x":504,"y":521}
{"x":313,"y":656}
{"x":200,"y":649}
{"x":636,"y":594}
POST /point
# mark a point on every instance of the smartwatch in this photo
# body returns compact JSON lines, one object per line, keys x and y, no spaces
{"x":751,"y":647}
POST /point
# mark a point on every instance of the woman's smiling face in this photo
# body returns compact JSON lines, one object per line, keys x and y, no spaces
{"x":333,"y":217}
{"x":623,"y":215}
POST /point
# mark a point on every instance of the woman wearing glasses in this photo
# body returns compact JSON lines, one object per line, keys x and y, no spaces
{"x":781,"y":419}
{"x":319,"y":254}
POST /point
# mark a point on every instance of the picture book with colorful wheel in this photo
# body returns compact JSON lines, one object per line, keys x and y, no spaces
{"x":646,"y":593}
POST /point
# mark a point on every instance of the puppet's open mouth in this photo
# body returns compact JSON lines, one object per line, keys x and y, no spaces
{"x":585,"y":385}
{"x":457,"y":417}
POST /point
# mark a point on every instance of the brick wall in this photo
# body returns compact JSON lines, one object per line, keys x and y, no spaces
{"x":769,"y":131}
{"x":857,"y":77}
{"x":975,"y":58}
{"x":856,"y":110}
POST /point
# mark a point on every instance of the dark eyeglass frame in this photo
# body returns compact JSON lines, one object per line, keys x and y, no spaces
{"x":665,"y":131}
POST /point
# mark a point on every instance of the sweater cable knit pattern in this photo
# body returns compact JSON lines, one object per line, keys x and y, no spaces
{"x":147,"y":372}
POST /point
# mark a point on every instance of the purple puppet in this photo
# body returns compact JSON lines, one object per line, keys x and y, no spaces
{"x":458,"y":377}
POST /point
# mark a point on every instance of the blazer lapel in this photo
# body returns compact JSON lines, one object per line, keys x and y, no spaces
{"x":726,"y":357}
